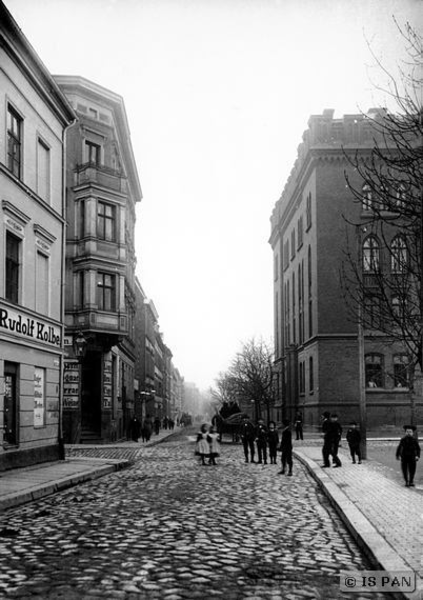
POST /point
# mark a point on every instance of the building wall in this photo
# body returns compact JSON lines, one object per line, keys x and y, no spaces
{"x":31,"y":211}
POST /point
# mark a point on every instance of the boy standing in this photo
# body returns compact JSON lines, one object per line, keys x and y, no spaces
{"x":273,"y":439}
{"x":286,"y":448}
{"x":261,"y":441}
{"x":409,"y":452}
{"x":354,"y":441}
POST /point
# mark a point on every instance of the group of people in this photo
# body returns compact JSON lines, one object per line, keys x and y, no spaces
{"x":265,"y":438}
{"x":408,"y":450}
{"x":145,"y":429}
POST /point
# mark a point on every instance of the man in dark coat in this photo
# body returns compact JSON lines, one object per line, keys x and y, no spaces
{"x":247,"y":434}
{"x":334,"y":434}
{"x":135,"y":428}
{"x":326,"y":440}
{"x":286,"y":448}
{"x":408,"y":452}
{"x":261,"y":441}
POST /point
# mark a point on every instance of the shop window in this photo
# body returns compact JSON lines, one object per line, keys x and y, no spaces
{"x":10,"y":405}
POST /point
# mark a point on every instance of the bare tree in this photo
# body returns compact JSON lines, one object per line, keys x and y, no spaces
{"x":251,"y":375}
{"x":382,"y":274}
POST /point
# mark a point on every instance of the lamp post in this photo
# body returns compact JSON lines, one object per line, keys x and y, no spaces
{"x":79,"y":348}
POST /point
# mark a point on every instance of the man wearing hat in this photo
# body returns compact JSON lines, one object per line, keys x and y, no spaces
{"x":408,"y":452}
{"x":247,"y":435}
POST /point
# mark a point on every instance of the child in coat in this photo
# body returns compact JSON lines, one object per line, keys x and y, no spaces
{"x":408,"y":452}
{"x":354,"y":441}
{"x":214,"y":447}
{"x":202,"y":447}
{"x":273,"y":441}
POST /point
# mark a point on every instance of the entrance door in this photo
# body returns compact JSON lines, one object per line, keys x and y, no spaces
{"x":91,"y":392}
{"x":10,"y":417}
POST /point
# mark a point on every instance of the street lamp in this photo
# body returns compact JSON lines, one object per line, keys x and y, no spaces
{"x":79,"y":348}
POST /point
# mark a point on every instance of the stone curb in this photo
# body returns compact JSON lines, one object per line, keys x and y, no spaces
{"x":380,"y":553}
{"x":46,"y":489}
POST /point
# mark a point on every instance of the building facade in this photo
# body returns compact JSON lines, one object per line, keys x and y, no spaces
{"x":314,"y":225}
{"x":102,"y":187}
{"x":33,"y":118}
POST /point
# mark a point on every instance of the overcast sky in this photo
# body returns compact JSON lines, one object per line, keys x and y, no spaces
{"x":218,"y":93}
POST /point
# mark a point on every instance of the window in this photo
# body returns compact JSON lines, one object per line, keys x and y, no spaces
{"x":371,"y":255}
{"x":400,"y":371}
{"x":286,"y":255}
{"x":292,"y":244}
{"x":14,"y":142}
{"x":41,"y":283}
{"x":374,"y":370}
{"x":275,"y":267}
{"x":302,"y":377}
{"x":93,"y":153}
{"x":12,"y":267}
{"x":294,"y":311}
{"x":310,"y":374}
{"x":106,"y":222}
{"x":367,"y":197}
{"x":398,"y":255}
{"x":81,"y":289}
{"x":43,"y":171}
{"x":308,"y":211}
{"x":372,"y":311}
{"x":401,"y":196}
{"x":300,"y":232}
{"x":82,"y":219}
{"x":310,"y":298}
{"x":106,"y":292}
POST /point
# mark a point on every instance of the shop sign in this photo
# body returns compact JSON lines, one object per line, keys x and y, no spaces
{"x":39,"y":397}
{"x":27,"y":327}
{"x":71,"y":384}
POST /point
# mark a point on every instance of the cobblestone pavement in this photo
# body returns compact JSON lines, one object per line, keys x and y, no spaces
{"x":170,"y":529}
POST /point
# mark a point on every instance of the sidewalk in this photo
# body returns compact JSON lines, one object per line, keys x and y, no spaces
{"x":26,"y":484}
{"x":385,"y":518}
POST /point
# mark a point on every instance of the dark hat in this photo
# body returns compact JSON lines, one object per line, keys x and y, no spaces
{"x":413,"y":427}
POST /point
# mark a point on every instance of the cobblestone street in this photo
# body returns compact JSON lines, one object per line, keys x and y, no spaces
{"x":168,"y":528}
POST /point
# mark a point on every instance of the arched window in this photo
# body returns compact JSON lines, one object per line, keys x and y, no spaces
{"x":367,"y":197}
{"x":374,"y":370}
{"x":371,"y":255}
{"x":398,"y":255}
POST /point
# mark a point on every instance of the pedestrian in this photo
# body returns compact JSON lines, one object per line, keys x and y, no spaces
{"x":261,"y":441}
{"x":408,"y":452}
{"x":286,"y":448}
{"x":214,"y":446}
{"x":147,"y":428}
{"x":202,"y":446}
{"x":135,"y":428}
{"x":247,"y":435}
{"x":299,"y":425}
{"x":334,"y":434}
{"x":156,"y":425}
{"x":354,"y":440}
{"x":273,"y":441}
{"x":326,"y":440}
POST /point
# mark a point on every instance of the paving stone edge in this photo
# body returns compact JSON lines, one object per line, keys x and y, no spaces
{"x":380,"y":553}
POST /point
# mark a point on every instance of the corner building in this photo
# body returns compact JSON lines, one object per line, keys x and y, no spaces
{"x":316,"y":340}
{"x":34,"y":115}
{"x":102,"y":188}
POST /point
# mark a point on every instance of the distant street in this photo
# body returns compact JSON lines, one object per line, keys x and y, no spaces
{"x":168,"y":528}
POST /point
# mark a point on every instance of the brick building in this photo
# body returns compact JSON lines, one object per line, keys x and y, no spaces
{"x":316,"y":340}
